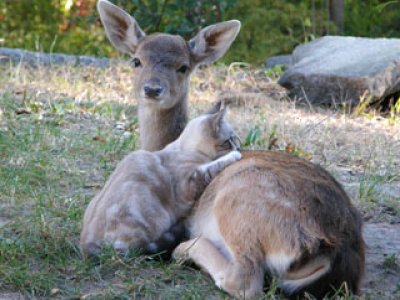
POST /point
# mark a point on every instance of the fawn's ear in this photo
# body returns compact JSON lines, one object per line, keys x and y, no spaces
{"x":122,"y":29}
{"x":213,"y":41}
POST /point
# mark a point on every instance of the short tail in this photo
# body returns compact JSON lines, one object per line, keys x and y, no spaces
{"x":296,"y":280}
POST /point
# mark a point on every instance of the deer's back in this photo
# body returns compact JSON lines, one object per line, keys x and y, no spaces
{"x":282,"y":211}
{"x":286,"y":186}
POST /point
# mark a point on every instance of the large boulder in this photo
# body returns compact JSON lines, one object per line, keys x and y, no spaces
{"x":336,"y":69}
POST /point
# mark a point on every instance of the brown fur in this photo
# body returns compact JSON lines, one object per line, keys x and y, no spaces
{"x":271,"y":212}
{"x":149,"y":192}
{"x":273,"y":207}
{"x":163,"y":116}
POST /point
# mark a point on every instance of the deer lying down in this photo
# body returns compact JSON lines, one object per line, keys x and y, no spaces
{"x":276,"y":214}
{"x":268,"y":213}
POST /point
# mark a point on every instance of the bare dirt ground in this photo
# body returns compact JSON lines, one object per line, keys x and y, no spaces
{"x":382,"y":276}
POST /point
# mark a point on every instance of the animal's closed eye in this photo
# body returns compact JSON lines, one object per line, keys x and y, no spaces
{"x":227,"y":144}
{"x":183,"y":69}
{"x":231,"y":143}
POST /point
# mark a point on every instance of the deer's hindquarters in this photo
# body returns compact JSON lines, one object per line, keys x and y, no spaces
{"x":286,"y":215}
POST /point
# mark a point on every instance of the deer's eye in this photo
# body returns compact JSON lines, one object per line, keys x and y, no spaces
{"x":136,"y":62}
{"x":183,"y":69}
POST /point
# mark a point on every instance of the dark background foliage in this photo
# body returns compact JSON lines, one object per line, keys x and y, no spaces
{"x":269,"y":27}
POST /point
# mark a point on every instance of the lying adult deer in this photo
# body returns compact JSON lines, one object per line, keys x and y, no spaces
{"x":269,"y":213}
{"x":164,"y":63}
{"x":276,"y":214}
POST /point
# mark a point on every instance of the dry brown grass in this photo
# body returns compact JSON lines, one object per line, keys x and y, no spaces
{"x":362,"y":151}
{"x":349,"y":146}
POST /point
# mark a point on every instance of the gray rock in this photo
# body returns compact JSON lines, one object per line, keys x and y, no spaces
{"x":35,"y":59}
{"x":273,"y":61}
{"x":342,"y":69}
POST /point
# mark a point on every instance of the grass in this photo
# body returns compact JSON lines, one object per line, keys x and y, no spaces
{"x":391,"y":261}
{"x":50,"y":170}
{"x":63,"y":130}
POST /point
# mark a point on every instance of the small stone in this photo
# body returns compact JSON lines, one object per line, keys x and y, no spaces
{"x":54,"y":291}
{"x":127,"y":134}
{"x":120,"y":126}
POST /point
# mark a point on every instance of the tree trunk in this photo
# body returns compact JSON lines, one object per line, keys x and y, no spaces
{"x":336,"y":14}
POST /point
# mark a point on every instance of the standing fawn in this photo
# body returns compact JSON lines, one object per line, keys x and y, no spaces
{"x":163,"y":63}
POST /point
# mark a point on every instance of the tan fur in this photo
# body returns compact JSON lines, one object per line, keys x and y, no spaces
{"x":163,"y":116}
{"x":150,"y":191}
{"x":269,"y":213}
{"x":277,"y":214}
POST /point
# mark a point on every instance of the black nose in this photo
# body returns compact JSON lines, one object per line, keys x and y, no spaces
{"x":152,"y":91}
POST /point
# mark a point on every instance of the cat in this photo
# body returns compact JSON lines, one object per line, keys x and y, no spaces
{"x":150,"y":192}
{"x":276,"y":214}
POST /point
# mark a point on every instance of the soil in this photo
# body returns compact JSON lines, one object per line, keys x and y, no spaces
{"x":382,"y":272}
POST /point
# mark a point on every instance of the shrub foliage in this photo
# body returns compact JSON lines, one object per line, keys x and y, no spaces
{"x":269,"y":27}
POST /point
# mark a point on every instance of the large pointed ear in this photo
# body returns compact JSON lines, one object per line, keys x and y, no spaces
{"x":122,"y":30}
{"x":218,"y":117}
{"x":213,"y":41}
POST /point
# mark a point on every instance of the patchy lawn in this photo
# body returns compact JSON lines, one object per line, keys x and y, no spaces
{"x":63,"y":130}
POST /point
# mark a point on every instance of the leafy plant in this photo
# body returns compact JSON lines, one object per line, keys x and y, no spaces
{"x":394,"y":113}
{"x":268,"y":27}
{"x":391,"y":261}
{"x":184,"y":17}
{"x":252,"y":137}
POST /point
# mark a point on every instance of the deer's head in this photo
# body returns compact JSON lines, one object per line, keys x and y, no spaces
{"x":164,"y":62}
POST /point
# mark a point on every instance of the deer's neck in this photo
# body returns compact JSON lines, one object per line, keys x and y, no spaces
{"x":159,"y":127}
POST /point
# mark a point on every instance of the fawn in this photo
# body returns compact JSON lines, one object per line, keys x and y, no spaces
{"x":269,"y":213}
{"x":163,"y":65}
{"x":276,"y":214}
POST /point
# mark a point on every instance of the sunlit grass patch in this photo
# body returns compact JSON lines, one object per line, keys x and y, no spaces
{"x":50,"y":171}
{"x":64,"y":129}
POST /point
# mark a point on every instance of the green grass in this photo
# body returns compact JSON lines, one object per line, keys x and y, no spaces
{"x":391,"y":261}
{"x":50,"y":170}
{"x":57,"y":148}
{"x":372,"y":188}
{"x":53,"y":160}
